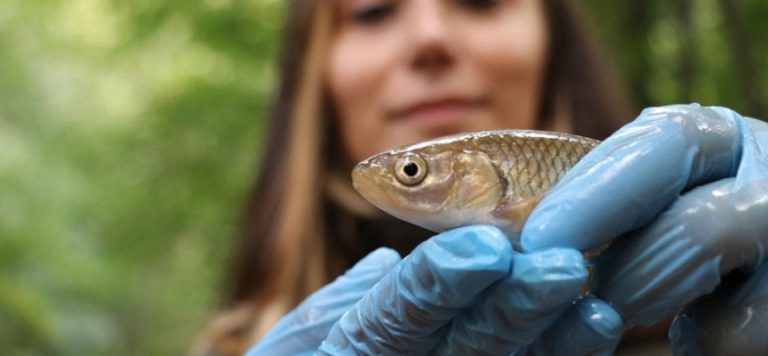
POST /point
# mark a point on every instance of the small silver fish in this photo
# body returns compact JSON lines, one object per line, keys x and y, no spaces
{"x":488,"y":177}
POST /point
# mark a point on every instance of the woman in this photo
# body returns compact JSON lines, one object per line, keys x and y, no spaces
{"x":359,"y":77}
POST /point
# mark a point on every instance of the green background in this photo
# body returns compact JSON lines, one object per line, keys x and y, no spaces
{"x":130,"y":132}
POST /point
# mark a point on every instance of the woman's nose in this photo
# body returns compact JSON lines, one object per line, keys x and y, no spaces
{"x":430,"y":36}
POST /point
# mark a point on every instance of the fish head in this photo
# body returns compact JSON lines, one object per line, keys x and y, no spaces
{"x":437,"y":187}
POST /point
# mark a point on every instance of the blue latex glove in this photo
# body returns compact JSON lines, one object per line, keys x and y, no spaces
{"x":731,"y":321}
{"x":304,"y":328}
{"x":464,"y":291}
{"x":682,"y":192}
{"x":590,"y":327}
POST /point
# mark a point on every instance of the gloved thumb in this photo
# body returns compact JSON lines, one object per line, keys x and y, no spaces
{"x":303,"y":329}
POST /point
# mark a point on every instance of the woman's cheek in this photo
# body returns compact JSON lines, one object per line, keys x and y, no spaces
{"x":349,"y":81}
{"x":344,"y":75}
{"x":513,"y":66}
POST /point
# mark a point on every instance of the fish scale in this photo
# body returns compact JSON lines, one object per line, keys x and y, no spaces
{"x":520,"y":157}
{"x":490,"y":177}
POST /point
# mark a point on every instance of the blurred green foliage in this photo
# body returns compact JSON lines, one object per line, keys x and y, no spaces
{"x":707,"y":51}
{"x":129,"y":133}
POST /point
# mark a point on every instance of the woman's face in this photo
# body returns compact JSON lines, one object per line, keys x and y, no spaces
{"x":402,"y":71}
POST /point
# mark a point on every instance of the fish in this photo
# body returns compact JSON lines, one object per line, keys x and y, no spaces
{"x":487,"y":177}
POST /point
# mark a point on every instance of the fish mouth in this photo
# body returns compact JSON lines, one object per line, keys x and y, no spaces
{"x":363,"y":183}
{"x":369,"y":180}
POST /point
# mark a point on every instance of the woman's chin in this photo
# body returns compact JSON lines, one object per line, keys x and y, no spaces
{"x":426,"y":128}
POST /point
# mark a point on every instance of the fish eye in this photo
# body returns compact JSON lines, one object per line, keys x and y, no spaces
{"x":410,"y":169}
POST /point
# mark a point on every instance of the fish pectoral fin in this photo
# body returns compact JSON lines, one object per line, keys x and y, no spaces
{"x":516,"y":213}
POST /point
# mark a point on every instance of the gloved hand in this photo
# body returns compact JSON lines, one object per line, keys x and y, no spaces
{"x":731,"y":321}
{"x":302,"y":330}
{"x":681,"y":194}
{"x":464,"y":291}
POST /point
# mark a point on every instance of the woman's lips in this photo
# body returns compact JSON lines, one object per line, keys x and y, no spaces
{"x":439,"y":112}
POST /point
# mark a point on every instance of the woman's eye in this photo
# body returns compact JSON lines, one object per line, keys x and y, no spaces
{"x":373,"y":13}
{"x":479,"y":4}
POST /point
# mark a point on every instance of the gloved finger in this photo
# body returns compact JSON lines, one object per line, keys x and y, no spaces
{"x":407,"y":311}
{"x":512,"y":313}
{"x":650,"y":274}
{"x":589,"y":327}
{"x":754,"y":151}
{"x":302,"y":330}
{"x":632,"y":176}
{"x":731,"y":321}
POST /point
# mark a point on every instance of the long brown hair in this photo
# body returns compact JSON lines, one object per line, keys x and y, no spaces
{"x":294,"y":212}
